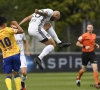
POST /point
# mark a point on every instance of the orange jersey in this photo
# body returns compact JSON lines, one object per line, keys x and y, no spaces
{"x":8,"y":43}
{"x":87,"y":40}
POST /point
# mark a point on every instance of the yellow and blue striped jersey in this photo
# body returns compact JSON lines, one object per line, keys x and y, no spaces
{"x":8,"y":43}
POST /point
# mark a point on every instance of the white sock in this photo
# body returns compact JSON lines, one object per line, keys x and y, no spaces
{"x":23,"y":78}
{"x":46,"y":51}
{"x":53,"y":34}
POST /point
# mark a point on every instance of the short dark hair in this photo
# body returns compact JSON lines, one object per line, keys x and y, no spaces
{"x":89,"y":24}
{"x":2,"y":20}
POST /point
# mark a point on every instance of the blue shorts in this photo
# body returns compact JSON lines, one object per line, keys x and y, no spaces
{"x":11,"y":63}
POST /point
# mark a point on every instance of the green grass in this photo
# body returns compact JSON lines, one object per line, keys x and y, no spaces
{"x":53,"y":81}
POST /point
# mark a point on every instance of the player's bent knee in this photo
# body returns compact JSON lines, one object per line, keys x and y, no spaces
{"x":84,"y":69}
{"x":54,"y":45}
{"x":9,"y":74}
{"x":24,"y":73}
{"x":50,"y":42}
{"x":95,"y":69}
{"x":16,"y":73}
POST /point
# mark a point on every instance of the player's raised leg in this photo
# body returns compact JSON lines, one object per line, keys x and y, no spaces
{"x":44,"y":38}
{"x":48,"y":27}
{"x":50,"y":44}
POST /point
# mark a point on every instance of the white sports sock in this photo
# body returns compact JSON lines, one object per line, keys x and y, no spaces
{"x":23,"y":78}
{"x":53,"y":34}
{"x":46,"y":51}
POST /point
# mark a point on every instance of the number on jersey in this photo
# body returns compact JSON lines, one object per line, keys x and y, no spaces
{"x":6,"y":42}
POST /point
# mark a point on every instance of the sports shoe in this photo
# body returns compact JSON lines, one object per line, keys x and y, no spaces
{"x":98,"y":86}
{"x":23,"y":86}
{"x":62,"y":44}
{"x":78,"y":82}
{"x":38,"y":61}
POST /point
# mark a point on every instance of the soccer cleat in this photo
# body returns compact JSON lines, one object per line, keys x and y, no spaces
{"x":98,"y":86}
{"x":38,"y":61}
{"x":23,"y":86}
{"x":62,"y":44}
{"x":78,"y":82}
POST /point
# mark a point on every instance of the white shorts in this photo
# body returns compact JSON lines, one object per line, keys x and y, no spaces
{"x":39,"y":33}
{"x":23,"y":61}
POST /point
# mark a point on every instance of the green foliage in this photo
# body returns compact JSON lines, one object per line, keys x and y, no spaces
{"x":72,"y":11}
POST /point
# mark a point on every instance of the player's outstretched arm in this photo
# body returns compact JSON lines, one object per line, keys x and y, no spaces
{"x":41,"y":13}
{"x":20,"y":30}
{"x":26,"y":19}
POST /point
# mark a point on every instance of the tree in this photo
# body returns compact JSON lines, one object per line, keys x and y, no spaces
{"x":72,"y":11}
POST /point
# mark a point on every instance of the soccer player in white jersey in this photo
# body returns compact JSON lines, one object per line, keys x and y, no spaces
{"x":21,"y":41}
{"x":36,"y":29}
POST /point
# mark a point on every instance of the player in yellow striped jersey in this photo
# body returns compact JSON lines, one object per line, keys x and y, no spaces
{"x":10,"y":51}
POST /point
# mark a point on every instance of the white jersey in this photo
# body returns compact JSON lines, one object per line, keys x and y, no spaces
{"x":19,"y":38}
{"x":38,"y":20}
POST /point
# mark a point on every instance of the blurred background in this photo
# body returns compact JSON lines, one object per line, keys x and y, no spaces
{"x":75,"y":15}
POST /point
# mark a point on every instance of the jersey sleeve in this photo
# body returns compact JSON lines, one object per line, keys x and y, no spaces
{"x":13,"y":31}
{"x":24,"y":37}
{"x":49,"y":11}
{"x":81,"y":38}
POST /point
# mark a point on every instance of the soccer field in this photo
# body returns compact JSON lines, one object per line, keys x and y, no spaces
{"x":54,"y":81}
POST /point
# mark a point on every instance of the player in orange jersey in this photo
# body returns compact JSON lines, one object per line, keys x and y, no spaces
{"x":87,"y":42}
